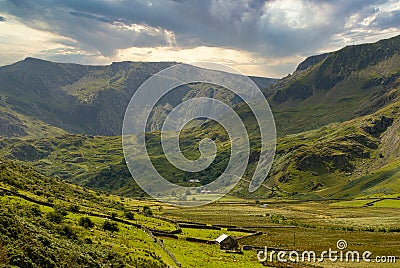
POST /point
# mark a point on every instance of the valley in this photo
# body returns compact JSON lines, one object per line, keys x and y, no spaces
{"x":68,"y":199}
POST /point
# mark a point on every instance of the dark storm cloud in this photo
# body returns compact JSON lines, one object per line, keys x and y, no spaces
{"x":247,"y":24}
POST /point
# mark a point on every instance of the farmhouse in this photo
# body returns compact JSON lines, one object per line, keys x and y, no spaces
{"x":226,"y":242}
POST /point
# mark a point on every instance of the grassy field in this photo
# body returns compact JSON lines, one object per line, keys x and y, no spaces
{"x":304,"y":226}
{"x":192,"y":254}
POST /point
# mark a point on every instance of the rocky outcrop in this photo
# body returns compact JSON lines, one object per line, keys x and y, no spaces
{"x":310,"y":61}
{"x":378,"y":126}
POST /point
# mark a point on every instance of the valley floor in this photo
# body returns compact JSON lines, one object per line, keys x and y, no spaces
{"x":47,"y":222}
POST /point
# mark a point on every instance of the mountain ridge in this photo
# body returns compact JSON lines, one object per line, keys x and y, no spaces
{"x":81,"y":98}
{"x":351,"y":82}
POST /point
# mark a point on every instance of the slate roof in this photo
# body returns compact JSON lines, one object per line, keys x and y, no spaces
{"x":221,"y":238}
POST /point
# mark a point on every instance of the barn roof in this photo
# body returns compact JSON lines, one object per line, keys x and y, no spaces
{"x":221,"y":238}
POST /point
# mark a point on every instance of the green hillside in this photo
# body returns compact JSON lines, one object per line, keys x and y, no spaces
{"x":47,"y":222}
{"x":15,"y":124}
{"x":312,"y":164}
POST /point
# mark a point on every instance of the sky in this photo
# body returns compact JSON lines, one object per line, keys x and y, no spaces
{"x":265,"y":38}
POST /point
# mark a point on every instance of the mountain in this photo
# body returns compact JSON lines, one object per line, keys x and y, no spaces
{"x":356,"y":158}
{"x":335,"y":87}
{"x":337,"y":118}
{"x":78,"y":98}
{"x":75,"y":98}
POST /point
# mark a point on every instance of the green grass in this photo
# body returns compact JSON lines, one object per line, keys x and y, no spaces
{"x":209,"y":234}
{"x":318,"y":225}
{"x":351,"y":203}
{"x":388,"y":204}
{"x":192,"y":254}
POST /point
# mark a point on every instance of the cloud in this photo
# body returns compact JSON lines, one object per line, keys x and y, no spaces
{"x":270,"y":28}
{"x":18,"y":41}
{"x":244,"y":61}
{"x":387,"y":20}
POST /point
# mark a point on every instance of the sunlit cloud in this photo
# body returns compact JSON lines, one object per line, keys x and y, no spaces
{"x":244,"y":61}
{"x":257,"y":37}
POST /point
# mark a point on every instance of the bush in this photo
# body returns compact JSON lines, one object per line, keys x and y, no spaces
{"x":74,"y":208}
{"x":55,"y":217}
{"x":129,"y":215}
{"x":68,"y":232}
{"x":278,"y":219}
{"x":61,"y":210}
{"x":85,"y":222}
{"x":35,"y":210}
{"x":110,"y":226}
{"x":88,"y":241}
{"x":147,"y":211}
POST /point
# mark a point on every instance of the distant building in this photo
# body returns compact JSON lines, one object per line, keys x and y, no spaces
{"x":226,"y":242}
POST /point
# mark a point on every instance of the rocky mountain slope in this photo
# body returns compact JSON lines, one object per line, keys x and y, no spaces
{"x":335,"y":87}
{"x":78,"y":98}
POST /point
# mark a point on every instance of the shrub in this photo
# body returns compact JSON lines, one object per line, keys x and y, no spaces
{"x":110,"y":226}
{"x":147,"y":211}
{"x":61,"y":210}
{"x":35,"y":210}
{"x":68,"y":232}
{"x":74,"y":208}
{"x":88,"y":241}
{"x":55,"y":217}
{"x":129,"y":215}
{"x":277,"y":219}
{"x":85,"y":222}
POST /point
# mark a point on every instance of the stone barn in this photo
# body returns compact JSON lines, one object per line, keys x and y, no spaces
{"x":226,"y":242}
